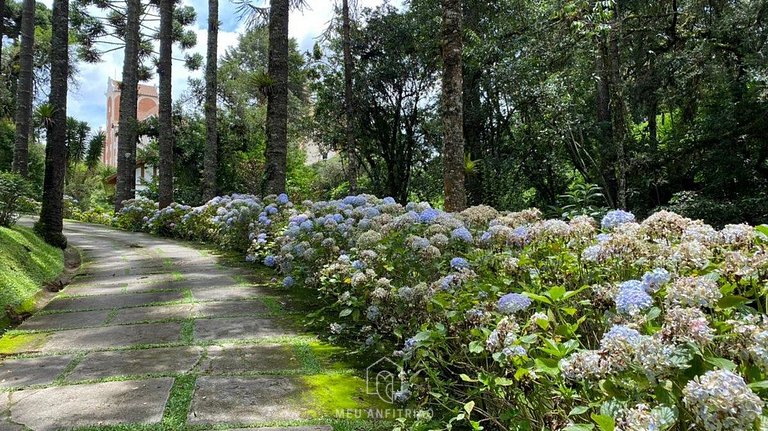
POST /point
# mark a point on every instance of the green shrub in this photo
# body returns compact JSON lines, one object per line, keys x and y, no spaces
{"x":14,"y":190}
{"x":135,"y":213}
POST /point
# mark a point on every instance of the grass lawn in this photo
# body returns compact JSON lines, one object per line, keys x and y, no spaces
{"x":26,"y":263}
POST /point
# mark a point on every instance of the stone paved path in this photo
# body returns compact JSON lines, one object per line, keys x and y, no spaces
{"x":154,"y":331}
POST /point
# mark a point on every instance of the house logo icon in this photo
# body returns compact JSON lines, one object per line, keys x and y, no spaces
{"x":380,"y":378}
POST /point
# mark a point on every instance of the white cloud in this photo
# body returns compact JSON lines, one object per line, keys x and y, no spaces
{"x":87,"y":100}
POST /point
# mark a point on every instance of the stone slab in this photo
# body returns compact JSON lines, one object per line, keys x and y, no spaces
{"x":119,"y":300}
{"x":212,"y":278}
{"x":116,"y":290}
{"x":5,"y":412}
{"x":112,"y":336}
{"x":230,"y":308}
{"x":217,"y":293}
{"x":120,"y":281}
{"x":236,"y":328}
{"x":147,"y":314}
{"x":41,"y":322}
{"x":32,"y":371}
{"x":235,"y":359}
{"x":111,"y":403}
{"x":98,"y":365}
{"x":240,"y":400}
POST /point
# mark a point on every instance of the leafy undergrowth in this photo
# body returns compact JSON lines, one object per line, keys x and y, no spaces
{"x":26,"y":263}
{"x":509,"y":321}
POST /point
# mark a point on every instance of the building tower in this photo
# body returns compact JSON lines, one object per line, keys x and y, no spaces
{"x":147,"y":107}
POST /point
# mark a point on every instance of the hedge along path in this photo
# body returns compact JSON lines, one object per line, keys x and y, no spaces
{"x":156,"y":334}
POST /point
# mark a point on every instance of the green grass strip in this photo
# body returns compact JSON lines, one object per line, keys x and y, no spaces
{"x":177,"y":408}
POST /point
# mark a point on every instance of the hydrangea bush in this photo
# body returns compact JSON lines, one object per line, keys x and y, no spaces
{"x":511,"y":321}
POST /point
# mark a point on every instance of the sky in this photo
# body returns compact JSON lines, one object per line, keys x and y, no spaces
{"x":87,"y":100}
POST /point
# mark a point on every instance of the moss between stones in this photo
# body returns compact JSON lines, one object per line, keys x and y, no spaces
{"x":18,"y":343}
{"x":334,"y":395}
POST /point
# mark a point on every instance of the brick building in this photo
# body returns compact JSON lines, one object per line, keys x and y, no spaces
{"x":147,"y":107}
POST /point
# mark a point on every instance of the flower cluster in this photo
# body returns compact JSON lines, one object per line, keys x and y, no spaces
{"x":617,"y":311}
{"x":721,"y":400}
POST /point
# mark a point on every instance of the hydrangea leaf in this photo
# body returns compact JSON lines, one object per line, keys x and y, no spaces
{"x":578,"y":410}
{"x":604,"y":423}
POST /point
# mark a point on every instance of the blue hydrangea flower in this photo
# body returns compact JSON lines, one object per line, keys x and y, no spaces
{"x":621,"y":333}
{"x":475,"y":313}
{"x":511,"y":303}
{"x":447,"y":282}
{"x":462,"y":234}
{"x":603,"y":237}
{"x":389,"y":200}
{"x":410,"y":344}
{"x":616,"y":218}
{"x":632,"y":298}
{"x":293,"y":231}
{"x":420,"y":243}
{"x":270,"y":261}
{"x":364,"y":224}
{"x":459,"y":263}
{"x":401,"y":396}
{"x":632,"y":284}
{"x":358,"y":265}
{"x":653,"y":280}
{"x":288,"y":281}
{"x":282,"y":199}
{"x":428,"y":215}
{"x":514,"y":351}
{"x":271,"y":209}
{"x":372,"y":313}
{"x":354,"y":200}
{"x":520,"y":233}
{"x":250,"y":258}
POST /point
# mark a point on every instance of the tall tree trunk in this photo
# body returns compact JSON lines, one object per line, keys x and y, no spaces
{"x":127,"y":124}
{"x":618,"y":115}
{"x":349,"y":103}
{"x":211,"y":162}
{"x":473,"y":116}
{"x":165,"y":134}
{"x":473,"y":134}
{"x":24,"y":89}
{"x":277,"y":100}
{"x":2,"y":29}
{"x":603,"y":102}
{"x":453,"y":119}
{"x":51,"y":223}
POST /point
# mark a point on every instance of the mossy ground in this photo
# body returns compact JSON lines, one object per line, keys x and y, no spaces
{"x":339,"y":395}
{"x":26,"y":264}
{"x":20,"y":342}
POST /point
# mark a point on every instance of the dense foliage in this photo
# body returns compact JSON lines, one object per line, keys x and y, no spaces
{"x":512,"y":321}
{"x":14,"y":197}
{"x":658,"y":103}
